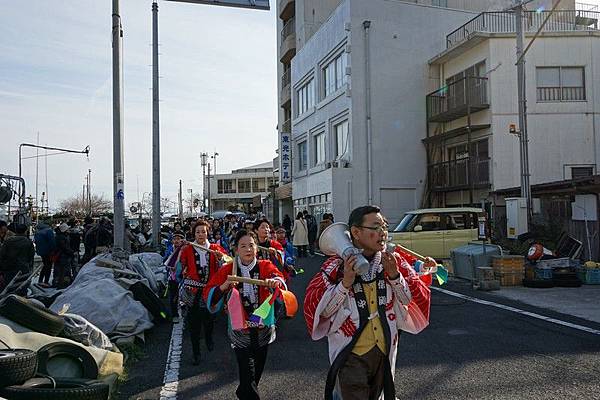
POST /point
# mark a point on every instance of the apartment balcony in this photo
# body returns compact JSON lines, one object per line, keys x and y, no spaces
{"x":287,"y":48}
{"x":286,"y":89}
{"x":287,"y":9}
{"x":503,"y":22}
{"x":286,"y":126}
{"x":458,"y":99}
{"x":454,"y":175}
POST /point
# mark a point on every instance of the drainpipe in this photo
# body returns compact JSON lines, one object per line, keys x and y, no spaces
{"x":366,"y":26}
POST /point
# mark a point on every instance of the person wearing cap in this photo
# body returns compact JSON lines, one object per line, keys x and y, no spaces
{"x":16,"y":254}
{"x":63,"y":256}
{"x":173,"y":264}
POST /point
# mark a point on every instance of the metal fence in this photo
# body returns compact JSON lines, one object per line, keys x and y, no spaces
{"x":454,"y":173}
{"x":469,"y":91}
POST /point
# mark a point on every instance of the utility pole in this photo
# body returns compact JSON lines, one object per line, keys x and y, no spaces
{"x":118,"y":173}
{"x":208,"y":184}
{"x":155,"y":132}
{"x":180,"y":203}
{"x":522,"y":99}
{"x":89,"y":199}
{"x":203,"y":161}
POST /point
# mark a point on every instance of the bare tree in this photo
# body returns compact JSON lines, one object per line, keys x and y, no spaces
{"x":79,"y":207}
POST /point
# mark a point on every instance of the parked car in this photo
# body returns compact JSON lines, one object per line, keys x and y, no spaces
{"x":220,"y":214}
{"x":435,"y":232}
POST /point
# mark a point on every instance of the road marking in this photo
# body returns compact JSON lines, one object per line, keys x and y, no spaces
{"x":171,"y":379}
{"x":519,"y":311}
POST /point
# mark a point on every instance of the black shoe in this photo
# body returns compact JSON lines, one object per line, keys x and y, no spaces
{"x":210,"y":346}
{"x":196,"y":360}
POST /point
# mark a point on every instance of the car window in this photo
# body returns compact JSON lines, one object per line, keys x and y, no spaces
{"x":430,"y":222}
{"x":407,"y":224}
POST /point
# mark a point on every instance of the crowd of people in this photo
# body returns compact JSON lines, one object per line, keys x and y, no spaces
{"x":58,"y":245}
{"x":244,"y":266}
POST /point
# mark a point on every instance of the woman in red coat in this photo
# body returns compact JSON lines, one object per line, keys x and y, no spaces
{"x":250,"y":343}
{"x":198,"y":266}
{"x":275,"y":252}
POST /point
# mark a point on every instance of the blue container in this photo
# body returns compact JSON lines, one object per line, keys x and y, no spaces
{"x":543,"y":273}
{"x":592,"y":277}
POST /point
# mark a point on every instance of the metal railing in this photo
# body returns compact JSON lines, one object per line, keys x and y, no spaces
{"x":286,"y":78}
{"x":287,"y":126}
{"x":560,"y":94}
{"x":586,"y":6}
{"x":454,"y":173}
{"x":288,"y":28}
{"x":469,"y":91}
{"x":504,"y":22}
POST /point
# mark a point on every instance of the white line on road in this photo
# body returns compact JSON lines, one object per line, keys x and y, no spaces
{"x":171,"y":380}
{"x":518,"y":311}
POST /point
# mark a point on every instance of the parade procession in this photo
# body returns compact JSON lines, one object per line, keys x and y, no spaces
{"x":300,"y":200}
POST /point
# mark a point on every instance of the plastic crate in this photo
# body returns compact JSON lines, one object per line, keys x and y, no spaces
{"x":555,"y":263}
{"x":507,"y":264}
{"x":510,"y":278}
{"x":591,"y":276}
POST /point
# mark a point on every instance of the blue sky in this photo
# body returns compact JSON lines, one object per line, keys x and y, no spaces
{"x":218,"y":90}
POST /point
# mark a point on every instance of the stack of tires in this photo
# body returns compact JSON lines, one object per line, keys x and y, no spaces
{"x":30,"y":375}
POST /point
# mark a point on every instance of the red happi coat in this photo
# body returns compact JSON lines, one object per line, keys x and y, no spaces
{"x":266,"y":270}
{"x":188,"y":262}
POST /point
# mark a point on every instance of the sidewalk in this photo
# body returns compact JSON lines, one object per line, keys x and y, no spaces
{"x":582,"y":302}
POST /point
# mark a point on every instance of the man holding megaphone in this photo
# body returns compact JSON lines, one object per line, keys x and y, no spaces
{"x":359,"y":299}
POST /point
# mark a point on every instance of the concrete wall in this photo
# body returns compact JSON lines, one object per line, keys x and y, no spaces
{"x":560,"y":133}
{"x":400,"y":79}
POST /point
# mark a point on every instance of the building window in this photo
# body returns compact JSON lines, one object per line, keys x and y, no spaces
{"x":244,"y":186}
{"x":226,"y":186}
{"x":319,"y":146}
{"x":302,"y":156}
{"x":341,"y":140}
{"x":560,"y":84}
{"x":306,"y":97}
{"x":334,"y":74}
{"x":258,"y":185}
{"x":581,"y":172}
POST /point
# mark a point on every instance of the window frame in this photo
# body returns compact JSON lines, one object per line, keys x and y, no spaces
{"x":337,"y":65}
{"x":344,"y":153}
{"x":319,"y":138}
{"x":302,"y":161}
{"x":560,"y":89}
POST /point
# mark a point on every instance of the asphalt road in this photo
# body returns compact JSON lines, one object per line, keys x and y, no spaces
{"x":469,"y":351}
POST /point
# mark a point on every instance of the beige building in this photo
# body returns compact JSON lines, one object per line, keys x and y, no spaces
{"x":471,"y":154}
{"x":242,"y":188}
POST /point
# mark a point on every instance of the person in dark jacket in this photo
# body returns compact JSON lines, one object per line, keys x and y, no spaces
{"x":44,"y":245}
{"x":313,"y":229}
{"x":287,"y":225}
{"x":16,"y":254}
{"x":75,"y":239}
{"x":64,"y":257}
{"x":88,"y":223}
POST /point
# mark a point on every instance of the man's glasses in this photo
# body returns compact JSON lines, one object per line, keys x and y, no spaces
{"x":378,"y":229}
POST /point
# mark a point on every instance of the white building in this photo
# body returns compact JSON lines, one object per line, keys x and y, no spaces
{"x":242,"y":189}
{"x":471,"y":154}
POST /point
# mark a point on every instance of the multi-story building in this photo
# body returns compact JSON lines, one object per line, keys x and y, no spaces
{"x":243,"y":188}
{"x":297,"y":22}
{"x":354,"y":115}
{"x":350,"y":111}
{"x":471,"y":155}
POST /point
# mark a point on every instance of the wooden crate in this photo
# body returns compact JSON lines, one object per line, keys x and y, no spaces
{"x":508,"y":264}
{"x":510,"y":278}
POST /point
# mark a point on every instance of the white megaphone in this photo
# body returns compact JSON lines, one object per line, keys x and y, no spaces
{"x":335,"y":240}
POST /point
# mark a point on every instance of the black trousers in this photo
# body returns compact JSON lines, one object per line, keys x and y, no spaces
{"x":251,"y":363}
{"x":362,"y":377}
{"x":46,"y":269}
{"x":174,"y":298}
{"x":198,"y":318}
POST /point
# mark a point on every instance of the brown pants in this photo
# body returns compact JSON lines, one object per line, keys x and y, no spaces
{"x":361,"y":378}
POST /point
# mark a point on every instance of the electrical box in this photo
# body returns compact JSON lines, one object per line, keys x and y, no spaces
{"x":516,"y":217}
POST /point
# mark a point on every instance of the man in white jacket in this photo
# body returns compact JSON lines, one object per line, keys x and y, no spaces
{"x":361,"y":314}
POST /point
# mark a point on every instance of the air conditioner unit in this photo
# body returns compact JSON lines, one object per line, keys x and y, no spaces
{"x":328,"y":164}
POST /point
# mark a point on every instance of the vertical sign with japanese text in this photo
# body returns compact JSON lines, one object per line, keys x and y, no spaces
{"x":285,"y":164}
